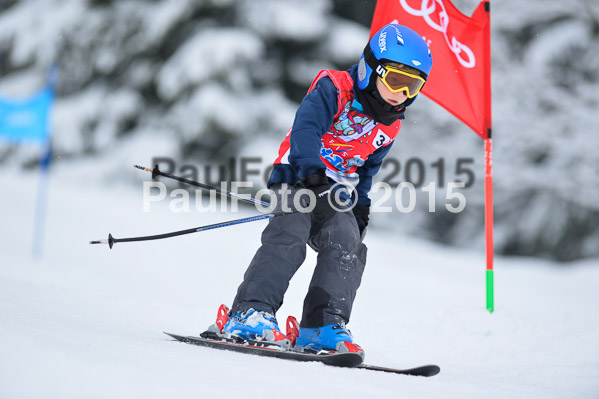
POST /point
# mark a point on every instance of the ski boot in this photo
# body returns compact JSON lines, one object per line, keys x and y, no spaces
{"x":329,"y":338}
{"x":251,"y":325}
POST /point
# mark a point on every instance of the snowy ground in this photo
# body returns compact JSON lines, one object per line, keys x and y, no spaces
{"x":86,"y":322}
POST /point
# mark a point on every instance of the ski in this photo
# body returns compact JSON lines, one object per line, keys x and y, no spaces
{"x":338,"y":359}
{"x":429,"y":370}
{"x":254,"y":348}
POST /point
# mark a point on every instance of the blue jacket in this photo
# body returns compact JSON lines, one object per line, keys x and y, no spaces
{"x":313,"y":119}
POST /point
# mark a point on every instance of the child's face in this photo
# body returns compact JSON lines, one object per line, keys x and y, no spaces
{"x":387,"y":95}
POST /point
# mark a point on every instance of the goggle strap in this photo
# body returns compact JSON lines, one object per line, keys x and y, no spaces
{"x":370,"y":59}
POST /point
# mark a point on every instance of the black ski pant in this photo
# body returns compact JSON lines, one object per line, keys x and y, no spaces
{"x":337,"y":275}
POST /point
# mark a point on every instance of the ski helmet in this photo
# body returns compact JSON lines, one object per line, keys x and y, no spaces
{"x":393,"y":43}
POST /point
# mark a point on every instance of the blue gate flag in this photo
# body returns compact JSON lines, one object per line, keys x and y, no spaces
{"x":27,"y":119}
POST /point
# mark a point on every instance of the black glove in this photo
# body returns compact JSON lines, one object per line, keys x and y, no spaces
{"x":319,"y":184}
{"x":361,"y":214}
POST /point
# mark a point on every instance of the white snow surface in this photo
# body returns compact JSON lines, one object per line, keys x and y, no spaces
{"x":84,"y":321}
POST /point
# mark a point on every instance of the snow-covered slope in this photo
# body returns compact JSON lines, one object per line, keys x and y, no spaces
{"x":86,"y":322}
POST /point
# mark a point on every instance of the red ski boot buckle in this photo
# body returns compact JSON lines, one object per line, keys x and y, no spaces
{"x":222,"y":317}
{"x":292,"y":329}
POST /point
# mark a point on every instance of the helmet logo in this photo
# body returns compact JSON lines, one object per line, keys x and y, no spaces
{"x":399,"y":37}
{"x":383,"y":42}
{"x":416,"y":62}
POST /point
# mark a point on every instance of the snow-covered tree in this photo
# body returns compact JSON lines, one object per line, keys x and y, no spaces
{"x":201,"y":81}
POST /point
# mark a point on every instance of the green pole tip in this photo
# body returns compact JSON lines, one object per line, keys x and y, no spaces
{"x":490,"y":292}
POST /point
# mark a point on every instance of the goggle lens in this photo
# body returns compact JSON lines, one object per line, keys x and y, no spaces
{"x":397,"y":80}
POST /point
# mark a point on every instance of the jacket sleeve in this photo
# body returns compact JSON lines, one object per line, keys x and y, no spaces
{"x":367,"y":171}
{"x":313,"y":119}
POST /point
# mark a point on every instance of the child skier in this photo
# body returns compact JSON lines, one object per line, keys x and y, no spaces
{"x":342,"y":130}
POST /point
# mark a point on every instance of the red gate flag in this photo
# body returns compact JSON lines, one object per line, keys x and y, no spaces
{"x":460,"y":80}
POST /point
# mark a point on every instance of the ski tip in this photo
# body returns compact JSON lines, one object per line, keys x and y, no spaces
{"x":176,"y":337}
{"x":428,"y":370}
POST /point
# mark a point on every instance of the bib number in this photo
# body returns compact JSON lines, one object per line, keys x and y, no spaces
{"x":380,"y":140}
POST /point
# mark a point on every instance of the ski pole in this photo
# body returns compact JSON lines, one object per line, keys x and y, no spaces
{"x":157,"y":172}
{"x":111,"y":240}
